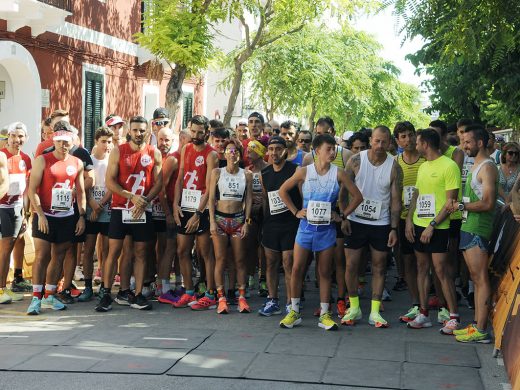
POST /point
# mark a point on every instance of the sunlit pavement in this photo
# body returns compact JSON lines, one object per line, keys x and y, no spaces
{"x":179,"y":347}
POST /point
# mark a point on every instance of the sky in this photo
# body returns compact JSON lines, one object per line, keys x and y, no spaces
{"x":383,"y":26}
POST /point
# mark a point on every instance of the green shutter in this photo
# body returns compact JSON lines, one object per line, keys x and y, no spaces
{"x":188,"y":108}
{"x":93,"y":107}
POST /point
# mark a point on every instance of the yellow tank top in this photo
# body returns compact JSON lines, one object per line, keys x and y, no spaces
{"x":409,"y":180}
{"x":338,"y":159}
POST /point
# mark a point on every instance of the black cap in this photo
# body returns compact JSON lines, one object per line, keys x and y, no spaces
{"x":257,"y":115}
{"x":277,"y":140}
{"x":160,"y":113}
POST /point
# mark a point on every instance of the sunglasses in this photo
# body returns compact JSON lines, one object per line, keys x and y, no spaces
{"x":512,"y":153}
{"x":161,"y":123}
{"x":304,"y":141}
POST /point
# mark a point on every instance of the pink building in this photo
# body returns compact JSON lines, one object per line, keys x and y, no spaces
{"x":79,"y":55}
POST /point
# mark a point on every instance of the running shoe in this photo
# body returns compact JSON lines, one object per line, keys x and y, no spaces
{"x":86,"y":295}
{"x":21,"y":285}
{"x":262,"y":289}
{"x":450,"y":326}
{"x":341,"y":307}
{"x":117,"y":281}
{"x":125,"y":298}
{"x":270,"y":308}
{"x":376,"y":320}
{"x":140,"y":303}
{"x":386,"y":295}
{"x":462,"y":331}
{"x":290,"y":320}
{"x":147,"y":292}
{"x":420,"y":321}
{"x":222,"y":306}
{"x":202,"y":288}
{"x":410,"y":316}
{"x":443,"y":315}
{"x":14,"y":296}
{"x":74,"y":291}
{"x":105,"y":304}
{"x":326,"y":322}
{"x":65,"y":297}
{"x":400,"y":285}
{"x":473,"y":335}
{"x":169,"y":297}
{"x":97,"y":277}
{"x":34,"y":307}
{"x":185,"y":301}
{"x":51,"y":302}
{"x":204,"y":303}
{"x":243,"y":306}
{"x":351,"y":316}
{"x":78,"y":274}
{"x":5,"y":297}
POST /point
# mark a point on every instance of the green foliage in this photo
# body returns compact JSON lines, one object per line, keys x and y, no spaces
{"x":472,"y":55}
{"x":317,"y":71}
{"x":180,"y":31}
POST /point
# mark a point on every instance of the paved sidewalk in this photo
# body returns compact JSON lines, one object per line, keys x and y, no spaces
{"x":167,"y":347}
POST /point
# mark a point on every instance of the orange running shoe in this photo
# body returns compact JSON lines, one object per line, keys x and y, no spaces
{"x":185,"y":301}
{"x":243,"y":307}
{"x":222,"y":306}
{"x":341,"y":306}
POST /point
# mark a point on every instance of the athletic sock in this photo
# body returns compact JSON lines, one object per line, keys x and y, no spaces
{"x":354,"y":302}
{"x":295,"y":304}
{"x":424,"y":312}
{"x":242,"y":292}
{"x":454,"y":316}
{"x":210,"y":294}
{"x":376,"y":305}
{"x":37,"y":290}
{"x":324,"y":308}
{"x":165,"y":285}
{"x":220,"y":292}
{"x":88,"y":283}
{"x":50,"y":289}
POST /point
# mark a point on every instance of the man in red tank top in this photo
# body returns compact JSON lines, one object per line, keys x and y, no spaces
{"x":134,"y":177}
{"x":190,"y":212}
{"x":56,"y":182}
{"x":12,"y":205}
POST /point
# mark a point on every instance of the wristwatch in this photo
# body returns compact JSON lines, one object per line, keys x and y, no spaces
{"x":198,"y":213}
{"x":393,"y":228}
{"x":28,"y":214}
{"x":342,"y":216}
{"x":249,"y":221}
{"x":433,"y":223}
{"x":461,"y":206}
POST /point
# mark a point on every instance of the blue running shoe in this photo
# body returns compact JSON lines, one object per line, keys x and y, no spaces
{"x":51,"y":302}
{"x":271,"y":307}
{"x":35,"y":306}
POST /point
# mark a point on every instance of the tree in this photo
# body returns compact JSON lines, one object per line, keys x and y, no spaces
{"x":179,"y":32}
{"x":274,"y":20}
{"x":472,"y":54}
{"x":317,"y":71}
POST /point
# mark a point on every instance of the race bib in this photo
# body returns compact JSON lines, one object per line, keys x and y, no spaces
{"x":128,"y":218}
{"x":61,"y":199}
{"x":407,"y":195}
{"x":98,"y":193}
{"x":190,"y":200}
{"x":257,"y":185}
{"x":426,"y":206}
{"x":17,"y":184}
{"x":319,"y":213}
{"x":369,"y":209}
{"x":231,"y":189}
{"x":465,"y":199}
{"x":465,"y":170}
{"x":276,"y":204}
{"x":157,"y":210}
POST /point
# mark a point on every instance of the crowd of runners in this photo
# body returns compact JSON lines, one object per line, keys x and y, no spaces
{"x":199,"y":219}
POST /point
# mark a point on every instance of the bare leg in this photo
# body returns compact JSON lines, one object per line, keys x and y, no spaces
{"x":477,"y":261}
{"x":379,"y":260}
{"x":442,"y":270}
{"x":423,"y":277}
{"x":273,"y":263}
{"x":184,"y":247}
{"x":206,"y":250}
{"x":6,"y":247}
{"x":114,"y":250}
{"x":141,"y":251}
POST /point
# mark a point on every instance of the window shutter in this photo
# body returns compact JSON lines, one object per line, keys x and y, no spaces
{"x":94,"y":96}
{"x":188,"y":108}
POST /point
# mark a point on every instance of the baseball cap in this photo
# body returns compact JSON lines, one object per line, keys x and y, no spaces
{"x":161,"y":113}
{"x":62,"y":131}
{"x":242,"y":121}
{"x":257,"y":115}
{"x":346,"y":135}
{"x":277,"y":140}
{"x":114,"y":121}
{"x":16,"y":126}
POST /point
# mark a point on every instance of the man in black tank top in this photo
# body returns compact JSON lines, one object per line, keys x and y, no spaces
{"x":280,"y":225}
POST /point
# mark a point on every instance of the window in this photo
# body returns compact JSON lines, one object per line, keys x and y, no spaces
{"x":187,"y":111}
{"x":93,"y":106}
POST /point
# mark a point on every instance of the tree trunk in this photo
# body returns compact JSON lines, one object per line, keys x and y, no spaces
{"x":312,"y":116}
{"x":174,"y":91}
{"x":235,"y":90}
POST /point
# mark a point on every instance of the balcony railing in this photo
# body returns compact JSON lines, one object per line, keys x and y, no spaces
{"x":62,"y":4}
